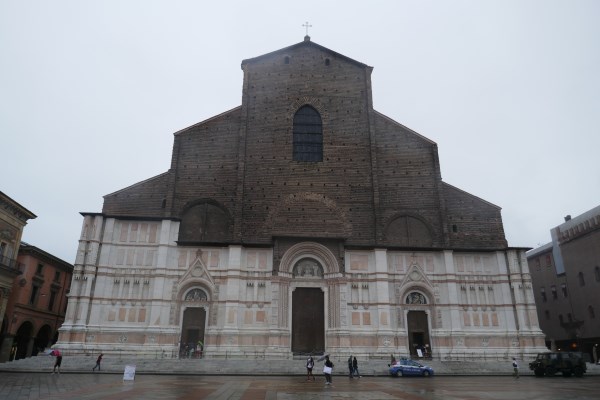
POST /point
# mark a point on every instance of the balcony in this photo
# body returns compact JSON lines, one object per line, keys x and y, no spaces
{"x":9,"y":265}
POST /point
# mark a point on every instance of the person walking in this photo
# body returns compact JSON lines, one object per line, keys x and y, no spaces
{"x":328,"y":370}
{"x":355,"y":367}
{"x":310,"y":363}
{"x":350,"y":369}
{"x":200,"y":348}
{"x":56,"y":353}
{"x":98,"y":361}
{"x":515,"y":368}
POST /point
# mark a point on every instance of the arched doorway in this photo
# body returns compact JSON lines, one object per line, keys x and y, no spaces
{"x":42,"y":339}
{"x":192,"y":331}
{"x":308,"y":309}
{"x":418,"y":325}
{"x":308,"y":321}
{"x":193,"y":324}
{"x":23,"y":342}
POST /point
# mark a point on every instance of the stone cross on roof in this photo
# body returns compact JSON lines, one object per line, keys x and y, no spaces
{"x":306,"y":25}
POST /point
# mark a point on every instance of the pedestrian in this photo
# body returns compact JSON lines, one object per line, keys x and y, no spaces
{"x":515,"y":368}
{"x":355,"y":367}
{"x":350,"y":369}
{"x":98,"y":361}
{"x":595,"y":353}
{"x":310,"y":363}
{"x":328,"y":370}
{"x":200,"y":348}
{"x":56,"y":353}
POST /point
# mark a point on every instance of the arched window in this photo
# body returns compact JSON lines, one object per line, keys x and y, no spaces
{"x":204,"y":222}
{"x":408,"y":231}
{"x":308,"y":135}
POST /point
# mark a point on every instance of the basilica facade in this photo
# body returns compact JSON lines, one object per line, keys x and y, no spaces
{"x":302,"y":221}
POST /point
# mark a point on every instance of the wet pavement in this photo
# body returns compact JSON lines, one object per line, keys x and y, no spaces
{"x":21,"y":386}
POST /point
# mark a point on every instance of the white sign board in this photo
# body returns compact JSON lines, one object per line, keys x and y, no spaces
{"x":420,"y":352}
{"x":129,"y":374}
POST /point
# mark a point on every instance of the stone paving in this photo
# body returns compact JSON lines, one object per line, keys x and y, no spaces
{"x":22,"y":386}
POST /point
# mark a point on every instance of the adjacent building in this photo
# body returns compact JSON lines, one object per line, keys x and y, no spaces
{"x":13,"y":218}
{"x":37,"y":304}
{"x":302,"y":221}
{"x":566,"y":281}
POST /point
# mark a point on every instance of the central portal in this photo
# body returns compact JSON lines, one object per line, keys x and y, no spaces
{"x":192,"y":332}
{"x":308,"y":321}
{"x":418,"y":334}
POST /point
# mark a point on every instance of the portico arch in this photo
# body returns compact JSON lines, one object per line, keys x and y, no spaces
{"x":24,"y":340}
{"x":418,"y":307}
{"x":309,"y":250}
{"x":309,"y":266}
{"x":194,"y":307}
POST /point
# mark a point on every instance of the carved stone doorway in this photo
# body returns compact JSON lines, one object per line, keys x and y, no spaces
{"x":192,"y":330}
{"x":418,"y":333}
{"x":308,"y":321}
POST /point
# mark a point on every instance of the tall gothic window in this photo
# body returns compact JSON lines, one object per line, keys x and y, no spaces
{"x":308,"y":135}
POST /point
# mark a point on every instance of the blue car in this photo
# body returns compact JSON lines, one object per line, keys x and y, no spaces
{"x":406,"y":367}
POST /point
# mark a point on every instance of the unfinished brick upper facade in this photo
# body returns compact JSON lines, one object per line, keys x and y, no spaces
{"x":375,"y":172}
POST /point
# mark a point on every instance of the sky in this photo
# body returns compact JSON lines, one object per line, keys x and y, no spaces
{"x":91,"y":93}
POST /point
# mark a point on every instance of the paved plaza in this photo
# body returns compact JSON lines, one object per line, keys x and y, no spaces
{"x":21,"y":386}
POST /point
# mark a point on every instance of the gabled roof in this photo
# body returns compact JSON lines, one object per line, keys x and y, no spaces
{"x":448,"y":186}
{"x":159,"y":176}
{"x":305,"y":43}
{"x":404,"y":127}
{"x":208,"y":120}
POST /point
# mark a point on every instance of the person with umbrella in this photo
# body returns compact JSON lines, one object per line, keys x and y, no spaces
{"x":328,"y":370}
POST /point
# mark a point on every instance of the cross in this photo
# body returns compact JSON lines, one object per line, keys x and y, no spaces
{"x":306,"y":25}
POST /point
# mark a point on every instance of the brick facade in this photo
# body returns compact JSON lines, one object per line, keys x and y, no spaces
{"x":234,"y":195}
{"x":374,"y":170}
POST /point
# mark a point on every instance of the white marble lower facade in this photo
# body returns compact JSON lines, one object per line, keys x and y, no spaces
{"x":132,"y":285}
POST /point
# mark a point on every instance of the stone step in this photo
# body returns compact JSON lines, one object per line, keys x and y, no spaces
{"x":210,"y":366}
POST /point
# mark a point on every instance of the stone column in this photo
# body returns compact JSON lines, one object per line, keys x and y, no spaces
{"x":7,"y":342}
{"x":4,"y":294}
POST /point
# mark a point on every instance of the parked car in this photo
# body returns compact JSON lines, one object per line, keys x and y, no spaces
{"x":568,"y":363}
{"x":406,"y":367}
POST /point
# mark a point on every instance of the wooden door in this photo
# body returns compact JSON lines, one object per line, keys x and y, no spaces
{"x":308,"y":321}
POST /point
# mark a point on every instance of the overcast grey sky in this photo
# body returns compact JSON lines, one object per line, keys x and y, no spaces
{"x":91,"y":93}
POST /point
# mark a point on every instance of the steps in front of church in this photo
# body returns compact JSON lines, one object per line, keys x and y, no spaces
{"x":208,"y":366}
